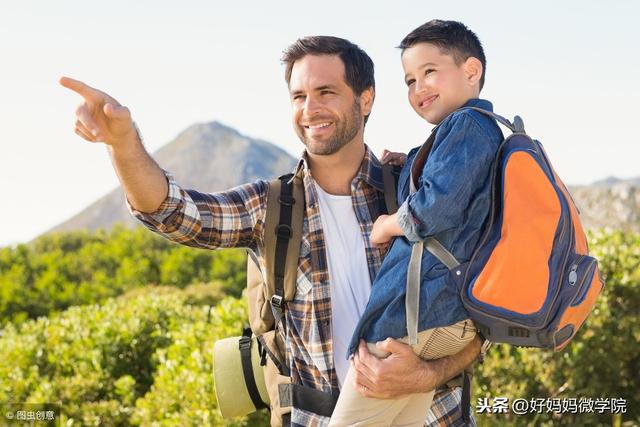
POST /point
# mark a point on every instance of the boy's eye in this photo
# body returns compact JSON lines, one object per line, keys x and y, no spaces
{"x":410,"y":82}
{"x":428,"y":71}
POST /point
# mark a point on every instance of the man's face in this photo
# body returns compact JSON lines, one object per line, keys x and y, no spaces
{"x":437,"y":85}
{"x":326,"y":114}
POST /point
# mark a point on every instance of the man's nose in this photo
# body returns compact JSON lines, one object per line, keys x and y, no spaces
{"x":311,"y":105}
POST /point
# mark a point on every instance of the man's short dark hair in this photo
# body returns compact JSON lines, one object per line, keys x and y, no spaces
{"x":452,"y":38}
{"x":358,"y":67}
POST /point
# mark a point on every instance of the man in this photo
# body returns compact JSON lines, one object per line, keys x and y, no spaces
{"x":332,"y":89}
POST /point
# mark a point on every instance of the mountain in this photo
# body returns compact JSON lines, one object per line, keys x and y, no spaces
{"x":208,"y":157}
{"x":211,"y":157}
{"x":612,"y":203}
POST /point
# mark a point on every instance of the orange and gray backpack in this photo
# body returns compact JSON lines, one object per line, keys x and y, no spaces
{"x":530,"y":281}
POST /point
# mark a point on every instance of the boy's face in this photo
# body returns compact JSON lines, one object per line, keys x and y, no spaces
{"x":437,"y":86}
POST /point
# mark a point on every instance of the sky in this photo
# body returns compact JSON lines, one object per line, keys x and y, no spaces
{"x":569,"y":69}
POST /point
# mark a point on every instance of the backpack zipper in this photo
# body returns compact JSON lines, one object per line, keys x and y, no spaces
{"x":573,"y":274}
{"x":582,"y":289}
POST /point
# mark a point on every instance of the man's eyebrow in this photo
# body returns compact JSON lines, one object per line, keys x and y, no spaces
{"x":317,"y":89}
{"x":325,"y":87}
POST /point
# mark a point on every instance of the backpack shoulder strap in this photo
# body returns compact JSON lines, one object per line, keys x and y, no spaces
{"x":282,"y":237}
{"x":420,"y":159}
{"x":390,"y":175}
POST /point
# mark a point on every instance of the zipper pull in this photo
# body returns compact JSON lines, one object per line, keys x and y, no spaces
{"x":573,"y":275}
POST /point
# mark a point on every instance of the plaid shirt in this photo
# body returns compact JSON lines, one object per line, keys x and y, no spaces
{"x":235,"y":218}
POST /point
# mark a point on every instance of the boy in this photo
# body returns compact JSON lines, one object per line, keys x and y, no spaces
{"x":444,"y":66}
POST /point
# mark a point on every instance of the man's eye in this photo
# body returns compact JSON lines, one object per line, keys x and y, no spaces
{"x":410,"y":82}
{"x":325,"y":92}
{"x":298,"y":97}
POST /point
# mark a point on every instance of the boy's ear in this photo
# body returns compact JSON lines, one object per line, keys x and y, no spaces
{"x":366,"y":100}
{"x":473,"y":70}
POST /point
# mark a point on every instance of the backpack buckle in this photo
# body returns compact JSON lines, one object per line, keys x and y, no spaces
{"x":284,"y":231}
{"x":286,"y":200}
{"x":244,"y":343}
{"x":276,"y":301}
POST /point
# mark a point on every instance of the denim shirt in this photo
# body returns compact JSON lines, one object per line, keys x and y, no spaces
{"x":451,"y":203}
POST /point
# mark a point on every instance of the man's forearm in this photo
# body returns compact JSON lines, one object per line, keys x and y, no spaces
{"x":438,"y":372}
{"x":143,"y":182}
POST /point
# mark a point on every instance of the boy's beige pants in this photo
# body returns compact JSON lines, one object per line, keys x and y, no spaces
{"x":353,"y":409}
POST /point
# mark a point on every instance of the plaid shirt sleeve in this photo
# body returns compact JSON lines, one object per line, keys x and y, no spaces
{"x":232,"y":218}
{"x":446,"y":409}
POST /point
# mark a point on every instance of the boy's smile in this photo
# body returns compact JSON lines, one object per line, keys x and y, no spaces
{"x":428,"y":101}
{"x":437,"y":85}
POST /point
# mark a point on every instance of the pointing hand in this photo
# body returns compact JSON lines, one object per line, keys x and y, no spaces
{"x":100,"y":118}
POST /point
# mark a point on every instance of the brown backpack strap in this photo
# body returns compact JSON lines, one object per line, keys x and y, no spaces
{"x":282,"y":237}
{"x":421,"y":158}
{"x":390,"y":183}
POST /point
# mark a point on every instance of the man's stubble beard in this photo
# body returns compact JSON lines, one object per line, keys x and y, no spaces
{"x":346,"y":130}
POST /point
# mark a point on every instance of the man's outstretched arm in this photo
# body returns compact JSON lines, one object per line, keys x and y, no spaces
{"x":100,"y":118}
{"x":402,"y":372}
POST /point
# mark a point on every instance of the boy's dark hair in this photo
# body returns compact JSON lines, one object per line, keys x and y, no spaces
{"x":452,"y":38}
{"x":358,"y":66}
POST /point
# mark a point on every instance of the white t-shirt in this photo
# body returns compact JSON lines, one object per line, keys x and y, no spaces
{"x":348,"y":272}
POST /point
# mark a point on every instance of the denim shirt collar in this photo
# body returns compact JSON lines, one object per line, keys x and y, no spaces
{"x":473,"y":102}
{"x":479,"y":103}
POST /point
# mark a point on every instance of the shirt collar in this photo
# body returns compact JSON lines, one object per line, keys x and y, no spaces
{"x":370,"y":169}
{"x":479,"y":103}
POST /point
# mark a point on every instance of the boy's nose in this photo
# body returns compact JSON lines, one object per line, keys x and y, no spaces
{"x":420,"y":86}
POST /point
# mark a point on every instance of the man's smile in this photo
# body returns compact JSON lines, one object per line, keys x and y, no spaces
{"x":317,"y":125}
{"x":315,"y":129}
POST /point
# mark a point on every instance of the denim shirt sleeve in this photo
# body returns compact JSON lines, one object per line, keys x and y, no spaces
{"x":456,"y":169}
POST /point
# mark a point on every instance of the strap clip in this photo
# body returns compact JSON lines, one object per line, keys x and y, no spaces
{"x":276,"y":301}
{"x":244,"y":343}
{"x":286,"y":200}
{"x":284,"y":231}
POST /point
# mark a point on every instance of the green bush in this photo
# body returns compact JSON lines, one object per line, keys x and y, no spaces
{"x":142,"y":359}
{"x":145,"y":357}
{"x":183,"y":391}
{"x":61,"y":270}
{"x":602,"y":361}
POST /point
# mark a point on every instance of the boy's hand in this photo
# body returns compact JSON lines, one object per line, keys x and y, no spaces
{"x":100,"y":118}
{"x":393,"y":158}
{"x":384,"y":229}
{"x":378,"y":236}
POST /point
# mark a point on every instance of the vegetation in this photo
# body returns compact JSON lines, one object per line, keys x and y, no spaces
{"x":118,"y":349}
{"x":135,"y":360}
{"x":61,"y":270}
{"x":602,"y":362}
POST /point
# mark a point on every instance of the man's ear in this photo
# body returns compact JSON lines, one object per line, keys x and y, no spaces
{"x":366,"y":100}
{"x":473,"y":70}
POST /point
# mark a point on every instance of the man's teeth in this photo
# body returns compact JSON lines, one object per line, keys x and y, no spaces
{"x":318,"y":126}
